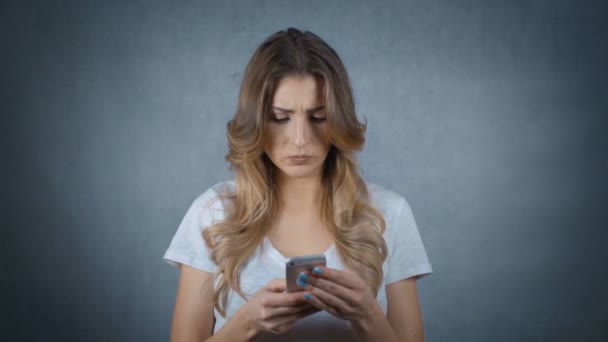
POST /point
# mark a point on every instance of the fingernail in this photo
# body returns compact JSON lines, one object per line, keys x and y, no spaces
{"x":308,"y":296}
{"x":304,"y":276}
{"x":317,"y":270}
{"x":301,"y":282}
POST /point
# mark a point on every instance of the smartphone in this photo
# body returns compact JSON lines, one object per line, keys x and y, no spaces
{"x":296,"y":265}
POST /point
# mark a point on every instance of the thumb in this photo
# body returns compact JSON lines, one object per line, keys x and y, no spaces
{"x":277,"y":285}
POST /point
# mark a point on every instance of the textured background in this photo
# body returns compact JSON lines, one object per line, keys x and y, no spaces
{"x":490,"y":117}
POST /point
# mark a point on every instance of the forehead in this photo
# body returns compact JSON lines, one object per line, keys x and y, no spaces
{"x":298,"y":90}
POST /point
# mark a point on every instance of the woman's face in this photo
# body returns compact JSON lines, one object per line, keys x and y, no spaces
{"x":297,"y":141}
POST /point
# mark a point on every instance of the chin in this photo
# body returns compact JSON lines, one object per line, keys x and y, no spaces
{"x":299,"y":171}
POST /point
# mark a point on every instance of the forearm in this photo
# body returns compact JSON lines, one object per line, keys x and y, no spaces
{"x":238,"y":328}
{"x":375,"y":328}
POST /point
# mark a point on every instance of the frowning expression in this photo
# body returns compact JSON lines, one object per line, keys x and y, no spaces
{"x":296,"y":140}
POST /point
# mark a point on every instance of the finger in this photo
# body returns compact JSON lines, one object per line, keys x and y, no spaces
{"x":279,"y":322}
{"x":345,"y":278}
{"x":288,"y":310}
{"x":314,"y":300}
{"x":310,"y":311}
{"x":276,"y":285}
{"x":328,"y":301}
{"x":284,"y":299}
{"x":339,"y":291}
{"x":294,"y":317}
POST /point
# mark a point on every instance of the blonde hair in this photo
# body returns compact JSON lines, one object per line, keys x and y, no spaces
{"x":356,"y":226}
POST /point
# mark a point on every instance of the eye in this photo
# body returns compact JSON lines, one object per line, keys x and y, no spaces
{"x":279,"y":119}
{"x":317,"y":119}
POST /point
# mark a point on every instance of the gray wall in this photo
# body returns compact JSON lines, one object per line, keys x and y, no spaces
{"x":489,"y":117}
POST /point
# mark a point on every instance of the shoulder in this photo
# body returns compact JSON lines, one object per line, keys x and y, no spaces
{"x":395,"y":209}
{"x":216,"y":197}
{"x":389,"y":202}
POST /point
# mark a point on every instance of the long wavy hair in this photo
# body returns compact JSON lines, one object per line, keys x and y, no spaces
{"x":356,"y":227}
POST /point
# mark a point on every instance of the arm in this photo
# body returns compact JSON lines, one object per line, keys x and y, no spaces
{"x":193,"y":318}
{"x":403,"y":311}
{"x":193,"y":314}
{"x":271,"y":309}
{"x":403,"y":321}
{"x":345,"y":295}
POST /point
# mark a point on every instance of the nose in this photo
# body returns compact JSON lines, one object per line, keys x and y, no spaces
{"x":301,"y":136}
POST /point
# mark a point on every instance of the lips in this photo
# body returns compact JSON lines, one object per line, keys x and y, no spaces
{"x":299,"y":159}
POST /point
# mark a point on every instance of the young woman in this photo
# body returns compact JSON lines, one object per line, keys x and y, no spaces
{"x":298,"y":191}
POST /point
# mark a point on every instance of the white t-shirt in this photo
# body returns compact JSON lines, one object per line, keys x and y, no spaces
{"x":406,"y":258}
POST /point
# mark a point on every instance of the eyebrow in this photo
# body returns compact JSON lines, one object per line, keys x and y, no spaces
{"x":289,"y":111}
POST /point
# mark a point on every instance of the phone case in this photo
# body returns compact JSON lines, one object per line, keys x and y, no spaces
{"x":296,"y":265}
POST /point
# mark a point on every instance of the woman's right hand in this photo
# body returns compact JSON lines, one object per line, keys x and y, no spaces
{"x":274,"y":310}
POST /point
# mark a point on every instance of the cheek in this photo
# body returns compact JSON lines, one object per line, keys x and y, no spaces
{"x":273,"y":140}
{"x":322,"y":135}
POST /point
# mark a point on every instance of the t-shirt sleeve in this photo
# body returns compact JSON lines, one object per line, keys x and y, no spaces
{"x":188,"y":246}
{"x":407,"y":255}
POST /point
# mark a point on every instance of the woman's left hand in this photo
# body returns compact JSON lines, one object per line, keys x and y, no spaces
{"x":341,"y":293}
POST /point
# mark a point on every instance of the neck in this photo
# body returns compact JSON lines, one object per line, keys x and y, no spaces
{"x":300,"y":195}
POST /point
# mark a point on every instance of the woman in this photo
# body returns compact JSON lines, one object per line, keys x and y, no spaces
{"x":297,"y":192}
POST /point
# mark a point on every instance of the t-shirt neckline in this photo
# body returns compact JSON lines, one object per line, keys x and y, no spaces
{"x":280,"y":257}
